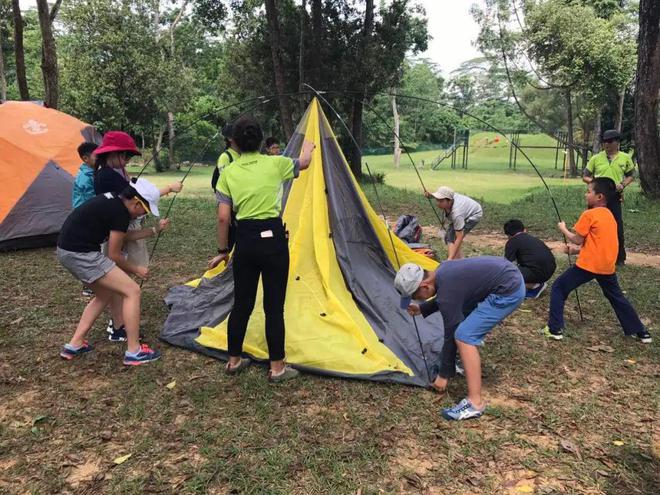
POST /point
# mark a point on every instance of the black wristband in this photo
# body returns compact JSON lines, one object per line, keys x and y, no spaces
{"x":224,"y":251}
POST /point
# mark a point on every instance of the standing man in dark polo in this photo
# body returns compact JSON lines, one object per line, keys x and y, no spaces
{"x":618,"y":166}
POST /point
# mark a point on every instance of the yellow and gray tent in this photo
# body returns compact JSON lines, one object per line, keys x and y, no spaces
{"x":342,"y":311}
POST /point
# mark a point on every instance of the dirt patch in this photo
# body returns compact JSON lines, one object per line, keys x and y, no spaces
{"x":84,"y":473}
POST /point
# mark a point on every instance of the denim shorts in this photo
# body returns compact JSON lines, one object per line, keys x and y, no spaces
{"x":487,"y":314}
{"x":86,"y":267}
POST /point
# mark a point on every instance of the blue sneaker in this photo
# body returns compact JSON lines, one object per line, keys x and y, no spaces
{"x":536,"y":293}
{"x":69,"y":353}
{"x":145,"y":355}
{"x":463,"y":410}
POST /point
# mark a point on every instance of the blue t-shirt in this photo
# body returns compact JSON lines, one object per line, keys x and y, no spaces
{"x":462,"y":284}
{"x":83,"y":186}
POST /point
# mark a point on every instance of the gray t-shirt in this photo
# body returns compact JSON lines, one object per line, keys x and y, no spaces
{"x":462,"y":210}
{"x":462,"y":284}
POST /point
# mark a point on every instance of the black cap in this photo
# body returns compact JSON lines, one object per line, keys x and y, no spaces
{"x":611,"y":134}
{"x":228,"y":131}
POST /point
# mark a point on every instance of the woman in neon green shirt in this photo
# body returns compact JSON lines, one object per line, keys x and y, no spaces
{"x":252,"y":187}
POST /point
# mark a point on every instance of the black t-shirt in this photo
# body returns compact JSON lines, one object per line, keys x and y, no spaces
{"x":89,"y":225}
{"x":107,"y":180}
{"x":530,"y":252}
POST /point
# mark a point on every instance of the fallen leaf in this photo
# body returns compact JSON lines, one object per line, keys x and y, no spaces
{"x":171,"y":385}
{"x":569,"y":446}
{"x":633,"y":210}
{"x":600,"y":348}
{"x":122,"y":459}
{"x":631,"y":361}
{"x":525,"y":310}
{"x":618,"y":443}
{"x":16,"y":321}
{"x":38,"y":419}
{"x":603,"y":473}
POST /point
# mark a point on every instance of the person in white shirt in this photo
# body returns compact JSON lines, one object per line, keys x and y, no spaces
{"x":463,"y":213}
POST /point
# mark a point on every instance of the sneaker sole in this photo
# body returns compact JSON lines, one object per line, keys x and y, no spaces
{"x":118,"y":339}
{"x":67,"y":357}
{"x":646,"y":341}
{"x":450,"y":418}
{"x":138,"y":363}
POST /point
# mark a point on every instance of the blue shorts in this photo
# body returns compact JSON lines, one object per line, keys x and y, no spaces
{"x":487,"y":314}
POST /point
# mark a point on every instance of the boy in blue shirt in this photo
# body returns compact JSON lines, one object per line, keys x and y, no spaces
{"x":473,"y":295}
{"x":83,"y":186}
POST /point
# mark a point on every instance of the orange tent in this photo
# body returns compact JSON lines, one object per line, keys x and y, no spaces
{"x":38,"y":162}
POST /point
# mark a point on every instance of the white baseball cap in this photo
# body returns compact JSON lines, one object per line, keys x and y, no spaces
{"x":407,"y":281}
{"x":148,"y":194}
{"x":443,"y":192}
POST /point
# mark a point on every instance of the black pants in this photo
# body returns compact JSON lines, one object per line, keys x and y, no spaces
{"x":573,"y":278}
{"x":615,"y":207}
{"x":261,"y":250}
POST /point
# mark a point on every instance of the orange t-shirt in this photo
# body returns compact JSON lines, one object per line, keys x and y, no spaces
{"x":601,"y":244}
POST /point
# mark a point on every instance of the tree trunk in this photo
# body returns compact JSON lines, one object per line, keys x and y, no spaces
{"x":170,"y":139}
{"x":572,"y":168}
{"x":170,"y":113}
{"x":274,"y":34}
{"x":647,"y":139}
{"x":48,"y":55}
{"x":19,"y":52}
{"x":618,"y":122}
{"x":3,"y":80}
{"x":301,"y":56}
{"x":597,"y":132}
{"x":358,"y":107}
{"x":397,"y":143}
{"x":157,"y":143}
{"x":317,"y":40}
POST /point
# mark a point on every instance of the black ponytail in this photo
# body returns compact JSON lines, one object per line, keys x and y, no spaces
{"x":247,"y":134}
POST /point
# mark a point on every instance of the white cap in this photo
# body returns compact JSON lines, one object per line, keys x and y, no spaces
{"x":147,"y":193}
{"x":407,"y":281}
{"x":443,"y":192}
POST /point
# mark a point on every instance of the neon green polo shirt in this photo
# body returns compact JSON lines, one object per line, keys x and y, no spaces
{"x":223,"y":159}
{"x":253,"y":184}
{"x":617,"y":169}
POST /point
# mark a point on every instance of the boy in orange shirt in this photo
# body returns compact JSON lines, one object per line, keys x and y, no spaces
{"x":597,"y":244}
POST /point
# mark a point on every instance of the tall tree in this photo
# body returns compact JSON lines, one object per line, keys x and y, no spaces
{"x":278,"y":68}
{"x":647,"y":138}
{"x":3,"y":79}
{"x":361,"y":88}
{"x":49,"y":52}
{"x":317,"y":40}
{"x":19,"y":51}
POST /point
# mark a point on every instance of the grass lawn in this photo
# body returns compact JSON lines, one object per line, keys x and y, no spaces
{"x":575,"y":416}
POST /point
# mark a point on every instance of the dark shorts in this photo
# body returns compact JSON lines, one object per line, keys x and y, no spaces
{"x":450,"y":235}
{"x":86,"y":267}
{"x":533,"y":276}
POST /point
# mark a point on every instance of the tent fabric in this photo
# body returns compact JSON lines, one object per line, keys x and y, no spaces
{"x":38,"y":161}
{"x":342,"y":313}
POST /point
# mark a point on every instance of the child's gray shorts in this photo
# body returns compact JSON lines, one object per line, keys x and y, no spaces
{"x":450,"y":235}
{"x":86,"y":267}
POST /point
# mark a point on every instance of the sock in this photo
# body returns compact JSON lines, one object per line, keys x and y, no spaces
{"x":70,"y":347}
{"x":133,"y":354}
